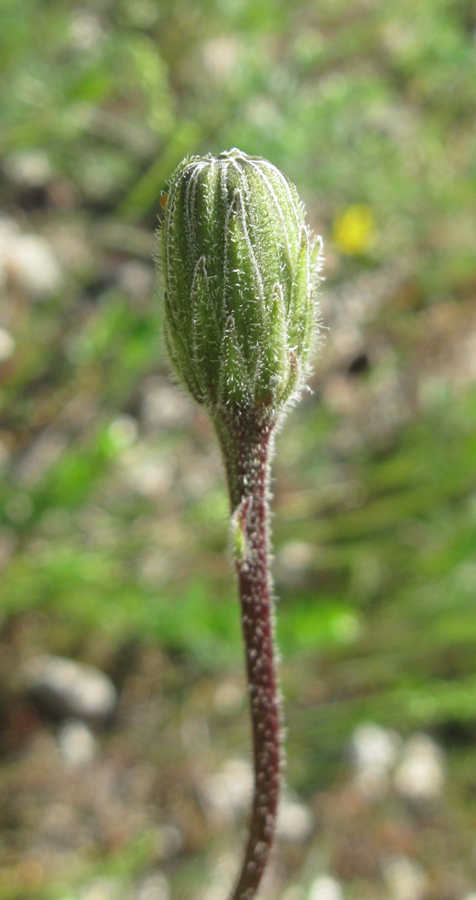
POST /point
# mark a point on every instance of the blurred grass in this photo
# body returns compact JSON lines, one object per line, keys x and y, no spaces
{"x":370,"y":109}
{"x":361,"y":105}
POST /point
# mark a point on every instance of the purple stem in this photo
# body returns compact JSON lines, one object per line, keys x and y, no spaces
{"x":247,"y":440}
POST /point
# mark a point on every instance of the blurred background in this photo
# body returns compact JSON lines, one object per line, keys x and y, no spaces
{"x":124,"y":737}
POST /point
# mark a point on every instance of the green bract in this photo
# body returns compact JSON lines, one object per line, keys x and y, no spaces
{"x":240,"y":269}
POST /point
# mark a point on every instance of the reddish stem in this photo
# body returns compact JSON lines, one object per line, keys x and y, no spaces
{"x":247,"y":443}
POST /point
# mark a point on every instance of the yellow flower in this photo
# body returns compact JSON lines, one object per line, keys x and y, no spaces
{"x":354,"y":229}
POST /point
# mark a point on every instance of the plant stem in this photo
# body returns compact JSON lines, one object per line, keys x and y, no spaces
{"x":247,"y":441}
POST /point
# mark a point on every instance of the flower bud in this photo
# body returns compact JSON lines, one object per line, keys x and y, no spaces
{"x":240,"y":270}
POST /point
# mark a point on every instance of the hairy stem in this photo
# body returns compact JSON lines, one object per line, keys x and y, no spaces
{"x":246,"y":440}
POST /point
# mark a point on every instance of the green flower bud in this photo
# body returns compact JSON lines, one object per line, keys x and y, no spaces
{"x":240,"y":270}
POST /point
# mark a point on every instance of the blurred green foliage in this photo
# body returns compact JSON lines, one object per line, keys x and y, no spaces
{"x":360,"y":103}
{"x":113,"y":524}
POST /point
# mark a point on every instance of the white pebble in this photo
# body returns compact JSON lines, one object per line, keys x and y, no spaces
{"x":228,"y":791}
{"x":70,"y":688}
{"x":295,"y":821}
{"x":148,"y":477}
{"x":31,"y":262}
{"x":220,"y":56}
{"x":30,"y":168}
{"x":420,"y":775}
{"x":76,"y":742}
{"x":375,"y":752}
{"x":85,"y":30}
{"x":405,"y":879}
{"x":374,"y":748}
{"x":325,"y":888}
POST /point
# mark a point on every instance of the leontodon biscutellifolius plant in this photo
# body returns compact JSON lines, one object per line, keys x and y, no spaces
{"x":239,"y":271}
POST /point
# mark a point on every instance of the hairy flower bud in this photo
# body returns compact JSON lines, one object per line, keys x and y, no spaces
{"x":240,"y":269}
